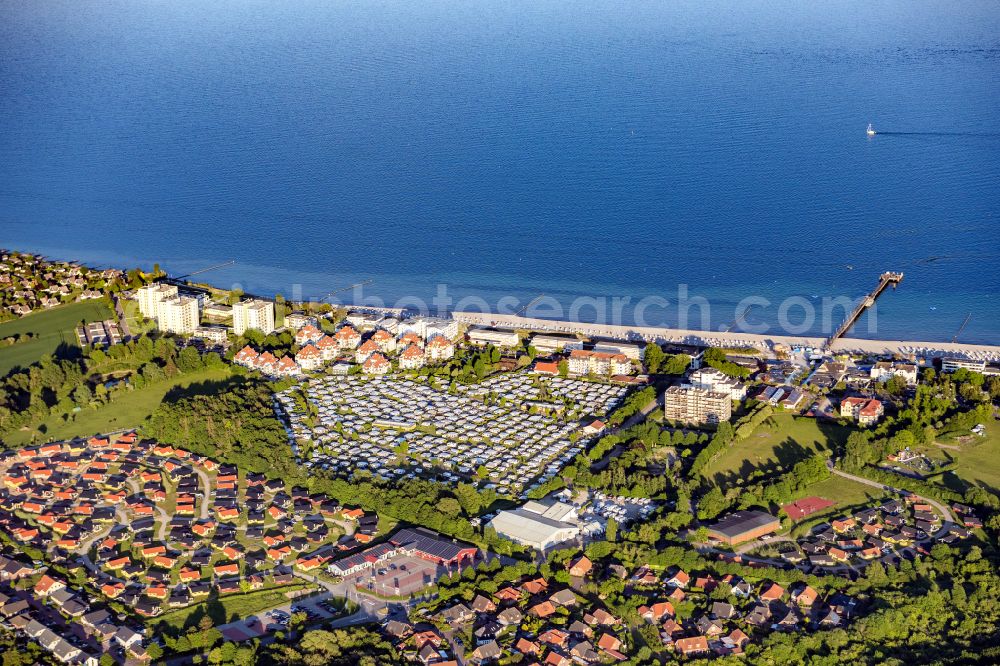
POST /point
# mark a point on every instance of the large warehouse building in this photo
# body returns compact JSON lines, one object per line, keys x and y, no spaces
{"x":538,"y":524}
{"x":743,"y":526}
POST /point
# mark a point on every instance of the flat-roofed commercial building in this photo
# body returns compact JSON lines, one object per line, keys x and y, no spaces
{"x":635,"y":352}
{"x":696,"y":406}
{"x":255,"y":314}
{"x":538,"y":524}
{"x":492,"y":336}
{"x":952,"y":364}
{"x":743,"y":526}
{"x":547,"y":344}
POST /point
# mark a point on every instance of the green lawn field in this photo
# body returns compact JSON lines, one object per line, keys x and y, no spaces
{"x":225,"y":609}
{"x":51,"y":328}
{"x":978,"y":458}
{"x":840,"y":490}
{"x":126,"y":411}
{"x":793,"y":439}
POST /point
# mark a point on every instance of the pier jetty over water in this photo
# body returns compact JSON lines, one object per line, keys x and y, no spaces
{"x":885,"y":280}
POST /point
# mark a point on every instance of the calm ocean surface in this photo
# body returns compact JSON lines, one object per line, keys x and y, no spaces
{"x":601,"y":149}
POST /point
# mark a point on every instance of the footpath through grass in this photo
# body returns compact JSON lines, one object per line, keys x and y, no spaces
{"x":128,"y":410}
{"x":51,"y":328}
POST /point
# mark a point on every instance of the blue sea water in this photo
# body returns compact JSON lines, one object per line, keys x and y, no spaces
{"x":605,"y":148}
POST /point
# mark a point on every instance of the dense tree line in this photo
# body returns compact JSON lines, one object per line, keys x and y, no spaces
{"x":237,"y":425}
{"x":631,"y":406}
{"x":78,"y":378}
{"x":716,"y":358}
{"x":767,"y":494}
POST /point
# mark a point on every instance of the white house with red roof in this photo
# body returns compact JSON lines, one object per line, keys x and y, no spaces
{"x":410,"y":338}
{"x":411,"y":358}
{"x":377,"y":364}
{"x":287,"y":367}
{"x":266,"y":363}
{"x":307,"y":334}
{"x":246,"y":357}
{"x":365,"y":350}
{"x":309,"y":358}
{"x":440,"y":348}
{"x":385,"y":340}
{"x":347,"y":338}
{"x":328,"y":347}
{"x":865,"y":411}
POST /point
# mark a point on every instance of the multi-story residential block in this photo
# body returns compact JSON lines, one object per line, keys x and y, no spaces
{"x":256,"y":314}
{"x":173,"y":313}
{"x":953,"y":364}
{"x":440,"y":348}
{"x":151,"y":296}
{"x":296,"y":320}
{"x":547,"y":344}
{"x":696,"y":406}
{"x":427,"y":327}
{"x":582,"y":362}
{"x":178,"y":315}
{"x":863,"y":410}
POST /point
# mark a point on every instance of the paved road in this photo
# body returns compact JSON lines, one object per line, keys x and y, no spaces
{"x":206,"y":499}
{"x":947,"y":517}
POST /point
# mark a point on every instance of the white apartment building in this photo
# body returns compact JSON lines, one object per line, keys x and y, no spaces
{"x":711,"y":379}
{"x":634,"y":351}
{"x":687,"y":404}
{"x":954,"y":363}
{"x":547,"y":344}
{"x":428,"y":327}
{"x":178,"y":315}
{"x":582,"y":362}
{"x":151,"y":296}
{"x":255,"y":314}
{"x":173,"y":313}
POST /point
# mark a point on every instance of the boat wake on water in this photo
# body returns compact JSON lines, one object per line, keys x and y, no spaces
{"x":978,"y":135}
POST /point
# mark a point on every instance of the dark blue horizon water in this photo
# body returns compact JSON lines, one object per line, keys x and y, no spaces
{"x":609,"y":148}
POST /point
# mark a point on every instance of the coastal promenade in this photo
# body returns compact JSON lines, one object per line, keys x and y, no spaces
{"x":763,"y":342}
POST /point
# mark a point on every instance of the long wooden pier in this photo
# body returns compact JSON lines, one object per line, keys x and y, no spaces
{"x":885,"y":280}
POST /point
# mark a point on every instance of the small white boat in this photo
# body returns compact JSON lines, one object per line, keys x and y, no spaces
{"x":871,"y":130}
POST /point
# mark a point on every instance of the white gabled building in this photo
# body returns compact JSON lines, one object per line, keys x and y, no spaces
{"x":377,"y":364}
{"x":306,"y":334}
{"x":715,"y":381}
{"x":884,"y":370}
{"x":440,"y":348}
{"x":309,"y":357}
{"x":411,"y":358}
